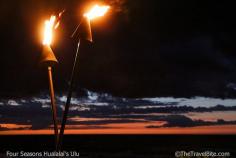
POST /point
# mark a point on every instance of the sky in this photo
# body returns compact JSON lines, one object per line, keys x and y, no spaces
{"x":152,"y":47}
{"x":155,"y":67}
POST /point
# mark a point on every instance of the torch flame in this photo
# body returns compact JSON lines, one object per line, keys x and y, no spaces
{"x":96,"y":11}
{"x":48,"y":30}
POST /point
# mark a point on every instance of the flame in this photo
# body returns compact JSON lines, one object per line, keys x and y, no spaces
{"x":48,"y":30}
{"x":58,"y":19}
{"x":96,"y":11}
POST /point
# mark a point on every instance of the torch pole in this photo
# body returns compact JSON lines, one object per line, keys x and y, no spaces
{"x":54,"y":109}
{"x":69,"y":95}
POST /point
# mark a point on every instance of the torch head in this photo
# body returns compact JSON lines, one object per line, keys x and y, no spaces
{"x":84,"y":30}
{"x":47,"y":57}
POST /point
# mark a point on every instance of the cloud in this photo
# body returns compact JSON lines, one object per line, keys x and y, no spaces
{"x":5,"y":127}
{"x":108,"y":109}
{"x":194,"y":101}
{"x":102,"y":121}
{"x":13,"y":103}
{"x":86,"y":127}
{"x":183,"y":121}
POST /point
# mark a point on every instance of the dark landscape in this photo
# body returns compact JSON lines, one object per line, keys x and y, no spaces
{"x":125,"y":146}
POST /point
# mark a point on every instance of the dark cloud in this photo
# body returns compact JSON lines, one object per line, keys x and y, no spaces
{"x":36,"y":111}
{"x":7,"y":129}
{"x":184,"y":121}
{"x":101,"y":112}
{"x":105,"y":121}
{"x":198,"y":50}
{"x":87,"y":127}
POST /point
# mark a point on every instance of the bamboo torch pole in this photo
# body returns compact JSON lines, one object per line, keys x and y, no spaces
{"x":53,"y":104}
{"x":83,"y":32}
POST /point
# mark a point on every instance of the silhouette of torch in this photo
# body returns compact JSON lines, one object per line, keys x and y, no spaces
{"x":48,"y":60}
{"x":83,"y":32}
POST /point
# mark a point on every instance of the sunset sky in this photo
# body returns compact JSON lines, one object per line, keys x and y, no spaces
{"x":99,"y":113}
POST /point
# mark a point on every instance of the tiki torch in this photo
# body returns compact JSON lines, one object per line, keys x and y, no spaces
{"x":48,"y":60}
{"x":84,"y":34}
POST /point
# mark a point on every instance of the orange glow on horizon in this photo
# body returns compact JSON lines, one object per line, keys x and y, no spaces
{"x":13,"y":126}
{"x":137,"y":128}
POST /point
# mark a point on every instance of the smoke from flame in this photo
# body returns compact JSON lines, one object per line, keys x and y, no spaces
{"x":117,"y":5}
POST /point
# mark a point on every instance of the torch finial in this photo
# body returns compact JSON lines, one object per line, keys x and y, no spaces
{"x":47,"y":57}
